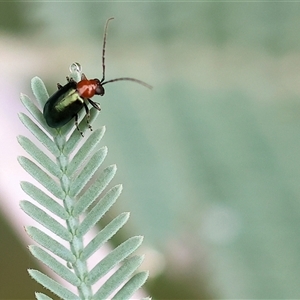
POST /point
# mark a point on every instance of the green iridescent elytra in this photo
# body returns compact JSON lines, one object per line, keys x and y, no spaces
{"x":63,"y":105}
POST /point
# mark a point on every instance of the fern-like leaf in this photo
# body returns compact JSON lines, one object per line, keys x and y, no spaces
{"x":62,"y":205}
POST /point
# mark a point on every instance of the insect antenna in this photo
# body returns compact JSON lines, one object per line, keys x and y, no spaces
{"x":103,"y":49}
{"x":103,"y":64}
{"x":130,"y":79}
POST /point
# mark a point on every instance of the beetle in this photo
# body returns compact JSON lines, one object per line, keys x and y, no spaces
{"x":70,"y":99}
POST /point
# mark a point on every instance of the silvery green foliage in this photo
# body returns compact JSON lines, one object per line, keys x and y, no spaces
{"x":63,"y":165}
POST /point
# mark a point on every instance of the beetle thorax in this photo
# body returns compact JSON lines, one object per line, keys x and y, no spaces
{"x":87,"y":88}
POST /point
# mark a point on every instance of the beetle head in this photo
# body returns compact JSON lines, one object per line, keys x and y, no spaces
{"x":99,"y":88}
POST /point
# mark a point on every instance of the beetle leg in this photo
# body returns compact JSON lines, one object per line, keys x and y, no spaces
{"x":88,"y":115}
{"x":83,"y":77}
{"x":95,"y":104}
{"x":59,"y":86}
{"x":76,"y":124}
{"x":70,"y":79}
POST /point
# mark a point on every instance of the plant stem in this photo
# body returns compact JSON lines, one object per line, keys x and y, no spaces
{"x":76,"y":244}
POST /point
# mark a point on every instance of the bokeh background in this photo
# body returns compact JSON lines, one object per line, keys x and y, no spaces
{"x":209,"y":159}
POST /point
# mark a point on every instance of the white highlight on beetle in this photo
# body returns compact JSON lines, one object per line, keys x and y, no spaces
{"x":75,"y":67}
{"x":75,"y":71}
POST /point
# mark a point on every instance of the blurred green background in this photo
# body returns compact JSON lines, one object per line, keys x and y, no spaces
{"x":209,"y":159}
